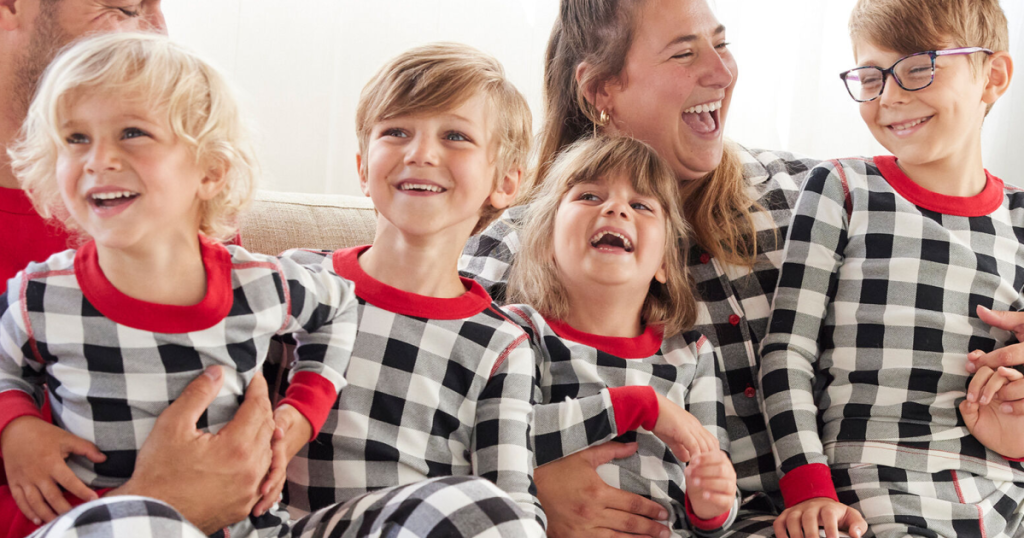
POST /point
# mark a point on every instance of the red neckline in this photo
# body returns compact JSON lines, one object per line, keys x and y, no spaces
{"x":979,"y":205}
{"x":638,"y":347}
{"x":15,"y":201}
{"x":381,"y":295}
{"x":153,"y":317}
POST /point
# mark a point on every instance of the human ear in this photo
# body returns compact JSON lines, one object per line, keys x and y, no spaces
{"x":11,"y":14}
{"x":505,"y":189}
{"x":364,"y":184}
{"x":214,"y":181}
{"x":661,"y":275}
{"x":999,"y":71}
{"x":595,"y":92}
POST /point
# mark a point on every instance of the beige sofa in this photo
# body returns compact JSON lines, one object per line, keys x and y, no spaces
{"x":278,"y":221}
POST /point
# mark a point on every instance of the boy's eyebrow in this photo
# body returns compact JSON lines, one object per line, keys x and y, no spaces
{"x":693,"y":37}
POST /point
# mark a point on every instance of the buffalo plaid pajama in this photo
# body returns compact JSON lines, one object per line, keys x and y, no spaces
{"x":436,"y":387}
{"x":878,"y":296}
{"x":575,"y":366}
{"x":112,"y":364}
{"x":734,"y":305}
{"x":446,"y":507}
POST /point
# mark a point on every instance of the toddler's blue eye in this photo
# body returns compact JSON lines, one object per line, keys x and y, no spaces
{"x":588,"y":196}
{"x":640,"y":206}
{"x":456,"y":137}
{"x":132,"y":132}
{"x":77,"y":138}
{"x":394,"y":132}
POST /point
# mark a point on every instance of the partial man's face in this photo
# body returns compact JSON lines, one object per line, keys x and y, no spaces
{"x":60,"y":22}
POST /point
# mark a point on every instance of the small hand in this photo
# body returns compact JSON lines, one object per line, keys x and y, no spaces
{"x":685,"y":436}
{"x":34,"y":458}
{"x":984,"y":414}
{"x":1012,"y":394}
{"x":710,"y":484}
{"x":805,"y":519}
{"x":291,"y":434}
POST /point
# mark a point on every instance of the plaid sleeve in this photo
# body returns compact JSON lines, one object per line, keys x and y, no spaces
{"x":564,"y":428}
{"x":502,"y":448}
{"x":21,"y":369}
{"x":323,"y":318}
{"x":488,"y":255}
{"x":704,"y":399}
{"x":789,"y":353}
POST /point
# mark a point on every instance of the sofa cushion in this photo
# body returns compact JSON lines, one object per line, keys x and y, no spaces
{"x":278,"y":221}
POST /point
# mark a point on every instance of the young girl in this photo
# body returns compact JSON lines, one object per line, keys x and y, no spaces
{"x":138,"y":145}
{"x":607,"y":298}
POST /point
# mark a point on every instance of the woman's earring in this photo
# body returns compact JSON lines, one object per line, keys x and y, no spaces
{"x":602,"y":120}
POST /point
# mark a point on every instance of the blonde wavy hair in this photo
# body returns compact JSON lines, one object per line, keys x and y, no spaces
{"x":441,"y":76}
{"x":600,"y":32}
{"x":199,"y":104}
{"x":534,"y":278}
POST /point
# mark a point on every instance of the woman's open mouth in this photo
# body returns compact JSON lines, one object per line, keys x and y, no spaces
{"x":703,"y":119}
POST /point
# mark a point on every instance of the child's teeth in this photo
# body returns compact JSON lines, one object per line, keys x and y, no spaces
{"x":111,"y":195}
{"x":708,"y":107}
{"x":413,"y":187}
{"x":905,"y":126}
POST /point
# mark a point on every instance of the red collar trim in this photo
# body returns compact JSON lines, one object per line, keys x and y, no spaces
{"x":15,"y":201}
{"x":979,"y":205}
{"x":639,"y":347}
{"x":153,"y":317}
{"x":379,"y":294}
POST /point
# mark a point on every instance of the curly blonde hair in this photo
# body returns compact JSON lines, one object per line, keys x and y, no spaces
{"x":534,"y":277}
{"x":199,"y":104}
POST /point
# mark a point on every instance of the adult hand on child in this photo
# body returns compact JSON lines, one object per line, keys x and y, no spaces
{"x":984,"y":417}
{"x":1012,"y":394}
{"x":34,"y":458}
{"x":579,"y":504}
{"x":292,"y":433}
{"x":807,"y":519}
{"x":212,"y":479}
{"x":710,"y":484}
{"x":685,"y":436}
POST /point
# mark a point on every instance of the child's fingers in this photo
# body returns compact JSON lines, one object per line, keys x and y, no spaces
{"x":995,"y":382}
{"x":80,"y":446}
{"x":681,"y":453}
{"x":978,"y":383}
{"x":26,"y":508}
{"x":69,"y":481}
{"x":711,"y":486}
{"x":35,"y":499}
{"x":55,"y":498}
{"x":969,"y":410}
{"x":1011,"y":374}
{"x":722,"y":500}
{"x":271,"y":497}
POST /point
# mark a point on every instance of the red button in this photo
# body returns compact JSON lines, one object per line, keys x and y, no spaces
{"x":750,"y":392}
{"x":705,"y":258}
{"x":734,"y":319}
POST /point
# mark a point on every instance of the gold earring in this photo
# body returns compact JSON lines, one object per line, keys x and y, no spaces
{"x":602,"y":120}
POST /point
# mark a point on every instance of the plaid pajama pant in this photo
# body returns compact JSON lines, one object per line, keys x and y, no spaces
{"x":896,"y":502}
{"x":451,"y":506}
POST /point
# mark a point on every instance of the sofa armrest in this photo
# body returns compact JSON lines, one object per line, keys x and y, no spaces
{"x":278,"y":221}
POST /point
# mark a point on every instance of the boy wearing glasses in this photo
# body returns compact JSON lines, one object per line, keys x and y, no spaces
{"x":887,"y":264}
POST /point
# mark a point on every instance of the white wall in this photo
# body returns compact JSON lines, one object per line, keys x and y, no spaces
{"x":301,"y":66}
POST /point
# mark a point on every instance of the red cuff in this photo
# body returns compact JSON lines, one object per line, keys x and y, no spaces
{"x":807,"y":482}
{"x":634,"y":407}
{"x":1013,"y":459}
{"x":712,"y":524}
{"x":16,"y":404}
{"x":313,"y":396}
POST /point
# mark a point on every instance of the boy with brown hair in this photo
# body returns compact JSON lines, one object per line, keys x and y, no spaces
{"x":441,"y":382}
{"x":888,"y":263}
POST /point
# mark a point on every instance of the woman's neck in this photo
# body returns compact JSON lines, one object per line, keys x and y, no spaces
{"x":171,"y":273}
{"x":610,"y":312}
{"x":424,"y":265}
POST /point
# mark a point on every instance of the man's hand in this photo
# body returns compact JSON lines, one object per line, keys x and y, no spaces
{"x":292,"y":433}
{"x":805,"y":520}
{"x":212,"y":479}
{"x":1012,"y":395}
{"x":710,"y":484}
{"x":34,"y":458}
{"x":682,"y":432}
{"x":983,"y":415}
{"x":579,"y":504}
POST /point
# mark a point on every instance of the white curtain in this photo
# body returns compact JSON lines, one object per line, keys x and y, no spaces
{"x":301,"y":65}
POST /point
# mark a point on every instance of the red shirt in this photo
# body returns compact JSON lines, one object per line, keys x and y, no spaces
{"x":24,"y":235}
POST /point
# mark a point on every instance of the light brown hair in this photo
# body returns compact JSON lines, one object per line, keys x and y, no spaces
{"x":600,"y":33}
{"x":196,"y":99}
{"x":534,"y":277}
{"x":438,"y":77}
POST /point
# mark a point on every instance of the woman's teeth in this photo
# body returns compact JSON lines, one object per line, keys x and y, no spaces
{"x":707,"y":107}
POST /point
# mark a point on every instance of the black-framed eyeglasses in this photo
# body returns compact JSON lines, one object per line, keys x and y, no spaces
{"x":912,"y":73}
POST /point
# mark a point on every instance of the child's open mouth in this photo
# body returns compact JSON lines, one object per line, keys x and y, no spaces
{"x":610,"y":241}
{"x":703,"y":119}
{"x":908,"y":127}
{"x":107,"y":200}
{"x":420,"y":187}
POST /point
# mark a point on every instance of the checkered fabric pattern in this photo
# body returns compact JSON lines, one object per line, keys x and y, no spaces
{"x":878,"y":295}
{"x":955,"y":504}
{"x":682,"y":369}
{"x":734,"y":301}
{"x":120,"y":517}
{"x":427,"y":396}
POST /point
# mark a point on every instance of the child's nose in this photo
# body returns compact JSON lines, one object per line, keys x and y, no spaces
{"x":892,"y":93}
{"x":104,"y":157}
{"x":422,"y":151}
{"x":615,"y":208}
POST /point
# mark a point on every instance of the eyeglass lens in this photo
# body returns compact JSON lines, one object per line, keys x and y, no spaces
{"x":912,"y":73}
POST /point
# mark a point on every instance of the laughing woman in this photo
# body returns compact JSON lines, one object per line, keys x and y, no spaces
{"x":661,"y":71}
